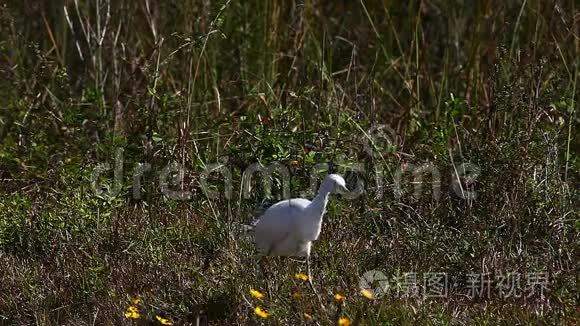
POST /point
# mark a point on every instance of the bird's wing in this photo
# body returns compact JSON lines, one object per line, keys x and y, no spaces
{"x":292,"y":204}
{"x":286,"y":209}
{"x":271,"y":229}
{"x":277,"y":224}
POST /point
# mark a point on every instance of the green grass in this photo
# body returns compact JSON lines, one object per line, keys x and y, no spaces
{"x":490,"y":84}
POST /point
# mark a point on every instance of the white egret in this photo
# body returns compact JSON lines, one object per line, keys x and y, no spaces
{"x":289,"y":227}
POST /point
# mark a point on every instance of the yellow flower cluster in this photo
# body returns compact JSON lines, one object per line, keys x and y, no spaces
{"x":367,"y":294}
{"x":257,"y":294}
{"x":261,"y":312}
{"x":132,"y":313}
{"x":163,"y":321}
{"x":339,"y":297}
{"x":301,"y":276}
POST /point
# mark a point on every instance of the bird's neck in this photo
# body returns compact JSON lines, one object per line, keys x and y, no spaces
{"x":318,"y":204}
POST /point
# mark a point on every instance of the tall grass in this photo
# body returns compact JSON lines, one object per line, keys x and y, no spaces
{"x":491,"y":83}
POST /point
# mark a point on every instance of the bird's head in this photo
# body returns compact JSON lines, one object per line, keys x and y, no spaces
{"x":335,"y":184}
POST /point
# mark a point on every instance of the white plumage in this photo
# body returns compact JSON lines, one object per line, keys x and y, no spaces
{"x":288,"y":227}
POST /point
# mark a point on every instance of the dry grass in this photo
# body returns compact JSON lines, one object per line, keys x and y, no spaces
{"x":493,"y":84}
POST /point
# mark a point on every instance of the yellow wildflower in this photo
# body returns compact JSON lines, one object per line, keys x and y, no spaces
{"x":257,"y":294}
{"x":339,"y":297}
{"x":132,"y":313}
{"x":301,"y":276}
{"x":261,"y":312}
{"x":163,"y":321}
{"x":343,"y":321}
{"x":307,"y":315}
{"x":367,"y":294}
{"x":136,"y":301}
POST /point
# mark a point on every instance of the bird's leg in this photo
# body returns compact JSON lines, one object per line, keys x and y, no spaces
{"x":311,"y":283}
{"x":308,"y":269}
{"x":263,"y":267}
